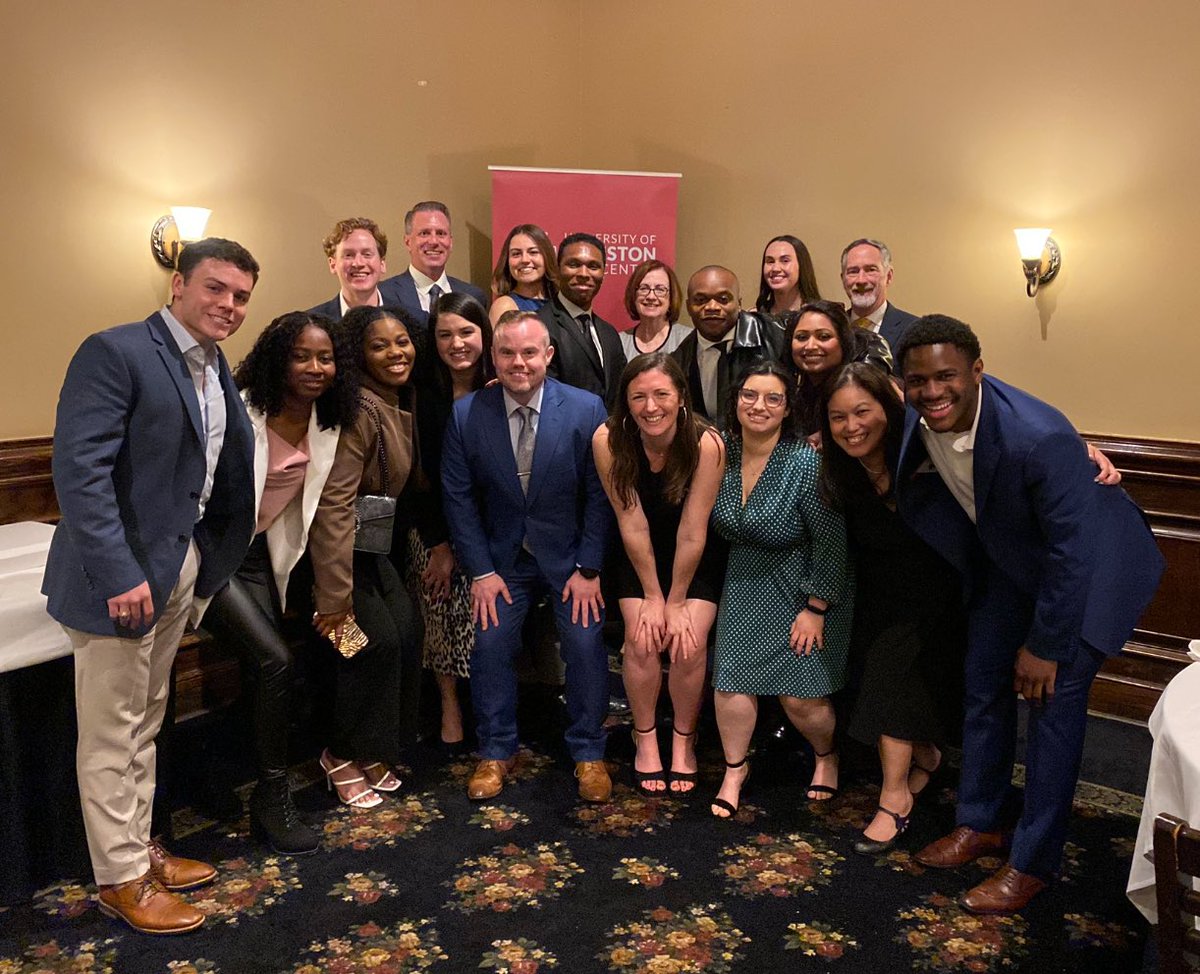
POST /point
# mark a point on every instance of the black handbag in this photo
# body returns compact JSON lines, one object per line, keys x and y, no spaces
{"x":375,"y":514}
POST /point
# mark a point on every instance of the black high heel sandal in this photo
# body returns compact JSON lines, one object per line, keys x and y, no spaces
{"x":825,"y":790}
{"x":686,"y":777}
{"x":640,"y":778}
{"x":873,"y":847}
{"x":722,"y":803}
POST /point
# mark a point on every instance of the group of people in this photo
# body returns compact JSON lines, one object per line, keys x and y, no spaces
{"x":829,"y":497}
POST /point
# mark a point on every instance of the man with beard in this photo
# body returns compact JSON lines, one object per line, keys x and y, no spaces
{"x":866,"y":277}
{"x":356,"y":249}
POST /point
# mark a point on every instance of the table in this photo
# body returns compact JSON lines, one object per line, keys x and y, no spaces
{"x":1173,"y":784}
{"x":27,"y":635}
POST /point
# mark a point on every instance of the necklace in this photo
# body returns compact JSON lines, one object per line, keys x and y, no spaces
{"x":880,"y":480}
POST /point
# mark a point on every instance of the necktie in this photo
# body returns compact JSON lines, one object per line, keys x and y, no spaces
{"x":525,"y":439}
{"x":722,"y":378}
{"x":589,"y":336}
{"x":435,"y":292}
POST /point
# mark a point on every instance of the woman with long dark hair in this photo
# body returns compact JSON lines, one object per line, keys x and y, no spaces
{"x":787,"y":280}
{"x":661,"y":465}
{"x":298,"y":396}
{"x":526,"y":272}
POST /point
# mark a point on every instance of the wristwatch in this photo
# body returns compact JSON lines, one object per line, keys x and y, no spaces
{"x":588,"y":573}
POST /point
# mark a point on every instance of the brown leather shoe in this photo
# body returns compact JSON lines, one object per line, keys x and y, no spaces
{"x":148,"y":908}
{"x":487,"y":780}
{"x":961,"y":846}
{"x":175,"y":873}
{"x":594,"y":783}
{"x":1005,"y":891}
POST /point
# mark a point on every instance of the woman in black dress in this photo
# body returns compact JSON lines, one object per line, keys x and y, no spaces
{"x":909,"y":633}
{"x":661,"y":466}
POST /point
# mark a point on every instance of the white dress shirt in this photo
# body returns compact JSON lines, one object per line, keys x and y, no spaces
{"x":953,"y":456}
{"x":425,"y":283}
{"x":708,"y":357}
{"x":575,"y":311}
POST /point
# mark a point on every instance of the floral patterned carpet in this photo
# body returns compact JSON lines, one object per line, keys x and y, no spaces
{"x":536,"y":881}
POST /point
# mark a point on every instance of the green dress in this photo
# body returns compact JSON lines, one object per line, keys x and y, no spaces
{"x":785,"y":545}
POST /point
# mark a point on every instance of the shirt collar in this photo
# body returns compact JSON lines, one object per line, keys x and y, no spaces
{"x":703,"y":344}
{"x":183,"y":337}
{"x":875,"y":318}
{"x":535,"y":402}
{"x":424,"y":282}
{"x":375,"y":302}
{"x":960,"y":442}
{"x":572,"y":308}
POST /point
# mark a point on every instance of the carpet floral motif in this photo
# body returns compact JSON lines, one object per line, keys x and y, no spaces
{"x":197,"y":966}
{"x":783,"y":866}
{"x":364,"y":889}
{"x":1123,"y":846}
{"x":65,"y":900}
{"x":529,"y":766}
{"x":499,"y":818}
{"x":246,"y":888}
{"x":644,"y":872}
{"x":400,"y":948}
{"x":89,"y":957}
{"x":625,"y":814}
{"x":1089,"y":930}
{"x":402,"y":818}
{"x":818,"y":940}
{"x":900,"y":861}
{"x":512,"y":877}
{"x":518,"y":956}
{"x":851,"y":811}
{"x":944,"y":937}
{"x":701,"y":939}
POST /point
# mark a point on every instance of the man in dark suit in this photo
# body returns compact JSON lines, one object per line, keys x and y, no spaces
{"x":154,"y":472}
{"x":726,"y":340}
{"x":428,"y":239}
{"x":528,"y":515}
{"x":866,"y":276}
{"x":357,"y":252}
{"x":1058,"y":569}
{"x":587,"y":350}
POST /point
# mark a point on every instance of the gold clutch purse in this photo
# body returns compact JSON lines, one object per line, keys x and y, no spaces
{"x":353,"y":638}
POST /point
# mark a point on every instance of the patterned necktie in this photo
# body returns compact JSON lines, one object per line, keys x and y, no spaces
{"x":525,"y":438}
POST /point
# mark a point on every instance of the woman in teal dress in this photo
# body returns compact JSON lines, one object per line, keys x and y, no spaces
{"x":783,"y":626}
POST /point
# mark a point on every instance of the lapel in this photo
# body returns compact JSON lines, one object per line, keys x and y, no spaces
{"x":688,"y":355}
{"x":493,"y":428}
{"x":570,"y":327}
{"x":322,"y":446}
{"x":258,"y":422}
{"x":178,"y":369}
{"x":549,"y":432}
{"x":986,"y":456}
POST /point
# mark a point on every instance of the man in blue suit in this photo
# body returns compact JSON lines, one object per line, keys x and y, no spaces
{"x":527,"y":514}
{"x":154,"y":471}
{"x":866,"y":276}
{"x":1058,"y":570}
{"x":429,"y":241}
{"x":357,"y":253}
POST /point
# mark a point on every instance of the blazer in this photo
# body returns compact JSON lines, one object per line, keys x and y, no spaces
{"x":566,"y":517}
{"x":575,"y":360}
{"x":1080,"y":553}
{"x":401,"y":290}
{"x":331,"y":309}
{"x":893,"y":328}
{"x":756,"y":338}
{"x":128,"y":468}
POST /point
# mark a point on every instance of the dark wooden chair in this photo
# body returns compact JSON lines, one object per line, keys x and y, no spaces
{"x":1176,"y":862}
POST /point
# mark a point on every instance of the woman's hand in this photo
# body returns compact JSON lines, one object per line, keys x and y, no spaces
{"x":808,"y":632}
{"x":327,"y":622}
{"x":681,"y":633}
{"x":435,"y":580}
{"x":651,"y":626}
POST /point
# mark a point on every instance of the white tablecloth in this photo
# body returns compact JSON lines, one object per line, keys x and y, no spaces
{"x":27,"y":634}
{"x":1173,"y":785}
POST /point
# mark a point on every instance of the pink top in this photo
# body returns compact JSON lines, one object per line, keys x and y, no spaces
{"x":286,"y":465}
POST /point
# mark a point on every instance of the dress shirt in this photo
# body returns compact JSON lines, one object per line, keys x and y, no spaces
{"x":575,"y":311}
{"x":375,"y":301}
{"x":202,"y":363}
{"x":514,"y":421}
{"x":873,"y":321}
{"x":708,"y":357}
{"x":424,"y":283}
{"x":953,"y":456}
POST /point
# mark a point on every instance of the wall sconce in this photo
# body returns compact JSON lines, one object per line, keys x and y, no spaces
{"x":1040,"y":257}
{"x":172,"y":233}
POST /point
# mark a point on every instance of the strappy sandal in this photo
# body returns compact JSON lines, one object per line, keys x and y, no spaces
{"x":641,"y":778}
{"x":873,"y":847}
{"x":826,"y":790}
{"x":386,"y":782}
{"x":930,"y":773}
{"x":363,"y":800}
{"x":721,"y":803}
{"x":683,"y":777}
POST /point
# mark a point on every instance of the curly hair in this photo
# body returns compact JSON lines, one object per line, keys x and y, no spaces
{"x":733,"y":426}
{"x":939,"y":330}
{"x":263,"y":374}
{"x":343,"y":228}
{"x":350,"y":339}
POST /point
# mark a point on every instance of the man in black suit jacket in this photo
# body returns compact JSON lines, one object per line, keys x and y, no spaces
{"x":428,"y":239}
{"x":587,"y":349}
{"x":726,"y":341}
{"x":356,"y":249}
{"x":866,"y":276}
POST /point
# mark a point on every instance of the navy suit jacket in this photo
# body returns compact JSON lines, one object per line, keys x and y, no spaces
{"x":401,"y":290}
{"x":893,"y":328}
{"x":566,"y":516}
{"x":575,"y":359}
{"x":331,"y":309}
{"x":1080,"y":554}
{"x":128,"y":468}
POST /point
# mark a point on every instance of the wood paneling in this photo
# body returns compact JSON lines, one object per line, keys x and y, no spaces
{"x":26,"y":489}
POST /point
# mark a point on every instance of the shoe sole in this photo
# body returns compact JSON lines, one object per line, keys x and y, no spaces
{"x":118,"y":915}
{"x":184,"y":888}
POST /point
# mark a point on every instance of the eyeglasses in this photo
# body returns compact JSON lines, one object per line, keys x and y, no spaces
{"x":658,"y":290}
{"x":773,"y":400}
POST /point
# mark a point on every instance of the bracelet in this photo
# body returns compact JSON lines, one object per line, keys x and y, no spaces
{"x":808,"y":606}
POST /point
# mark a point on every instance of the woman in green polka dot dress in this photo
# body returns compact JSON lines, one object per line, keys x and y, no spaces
{"x":783,"y":627}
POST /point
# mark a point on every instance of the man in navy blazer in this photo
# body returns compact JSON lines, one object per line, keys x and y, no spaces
{"x":154,"y":473}
{"x":429,"y":241}
{"x":1058,"y":570}
{"x":866,"y":276}
{"x":357,"y":250}
{"x":527,"y":514}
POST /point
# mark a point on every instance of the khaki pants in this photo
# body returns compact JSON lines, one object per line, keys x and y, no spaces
{"x":121,"y":688}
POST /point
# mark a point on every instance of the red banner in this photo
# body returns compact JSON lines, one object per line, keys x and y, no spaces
{"x":632,"y":212}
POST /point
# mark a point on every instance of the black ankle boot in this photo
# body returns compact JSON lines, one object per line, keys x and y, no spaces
{"x":275,"y":821}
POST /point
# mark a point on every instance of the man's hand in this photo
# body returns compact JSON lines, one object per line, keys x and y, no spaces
{"x":1108,"y":475}
{"x":585,"y":598}
{"x":133,"y":608}
{"x":1033,"y":677}
{"x":435,"y":580}
{"x":484,"y":592}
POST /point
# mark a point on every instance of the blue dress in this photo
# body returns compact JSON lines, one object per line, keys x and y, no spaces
{"x":785,"y":545}
{"x":526,"y":304}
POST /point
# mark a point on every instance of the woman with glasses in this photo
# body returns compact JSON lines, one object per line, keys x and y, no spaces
{"x":653,"y":299}
{"x":784,"y":623}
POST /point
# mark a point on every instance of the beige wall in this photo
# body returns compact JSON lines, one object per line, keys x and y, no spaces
{"x":934,"y":141}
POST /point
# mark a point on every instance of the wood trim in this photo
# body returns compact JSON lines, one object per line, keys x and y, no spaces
{"x":26,"y":486}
